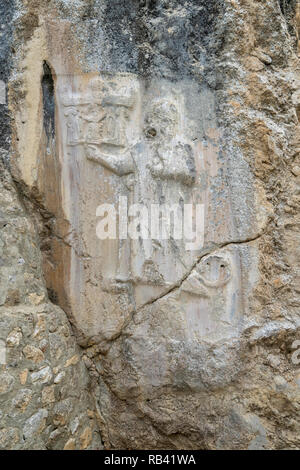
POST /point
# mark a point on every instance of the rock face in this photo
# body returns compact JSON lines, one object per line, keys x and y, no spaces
{"x":172,"y":335}
{"x":44,"y":386}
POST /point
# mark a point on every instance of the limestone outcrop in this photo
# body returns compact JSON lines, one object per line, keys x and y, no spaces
{"x":125,"y":323}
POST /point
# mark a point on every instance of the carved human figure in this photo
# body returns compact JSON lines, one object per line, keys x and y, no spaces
{"x":172,"y":155}
{"x":161,"y":153}
{"x":113,"y":152}
{"x":113,"y":129}
{"x":165,"y":173}
{"x":74,"y":128}
{"x":92,"y":116}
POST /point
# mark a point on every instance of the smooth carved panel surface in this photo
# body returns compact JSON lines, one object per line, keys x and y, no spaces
{"x":148,"y":144}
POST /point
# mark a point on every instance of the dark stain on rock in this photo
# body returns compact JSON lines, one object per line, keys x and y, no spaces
{"x":27,"y":25}
{"x":48,"y":101}
{"x":6,"y":24}
{"x":288,"y":9}
{"x":287,"y":6}
{"x":162,"y":37}
{"x":53,"y":297}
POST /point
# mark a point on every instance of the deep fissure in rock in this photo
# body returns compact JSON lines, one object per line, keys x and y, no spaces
{"x":48,"y":101}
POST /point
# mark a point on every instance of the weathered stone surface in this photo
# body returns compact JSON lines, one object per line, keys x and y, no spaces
{"x":161,"y":102}
{"x":30,"y":394}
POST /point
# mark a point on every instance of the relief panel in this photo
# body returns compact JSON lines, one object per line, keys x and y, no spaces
{"x":122,"y":138}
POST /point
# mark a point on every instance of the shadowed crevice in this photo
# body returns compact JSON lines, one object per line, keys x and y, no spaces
{"x":48,"y":101}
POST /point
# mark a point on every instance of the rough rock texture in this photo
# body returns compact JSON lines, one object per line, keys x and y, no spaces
{"x":45,"y":400}
{"x":162,"y":102}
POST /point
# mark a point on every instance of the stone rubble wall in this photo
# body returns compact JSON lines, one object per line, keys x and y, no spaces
{"x":45,"y":390}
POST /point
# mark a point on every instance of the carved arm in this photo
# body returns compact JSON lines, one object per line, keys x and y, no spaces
{"x":119,"y":164}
